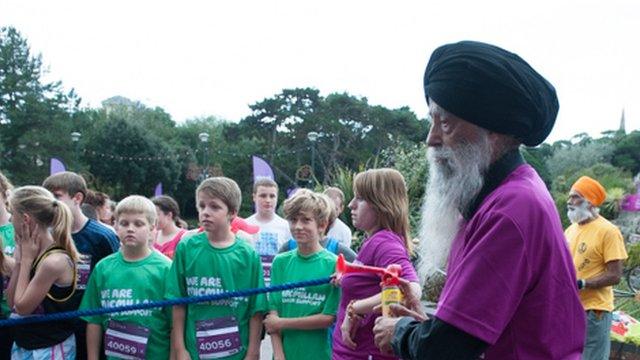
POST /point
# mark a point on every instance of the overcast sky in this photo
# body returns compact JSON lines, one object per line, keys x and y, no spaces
{"x":216,"y":57}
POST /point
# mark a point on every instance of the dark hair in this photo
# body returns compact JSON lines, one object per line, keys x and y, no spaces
{"x":96,"y":198}
{"x":168,"y":205}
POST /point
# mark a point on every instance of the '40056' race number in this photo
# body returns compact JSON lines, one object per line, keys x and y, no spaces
{"x":218,"y":338}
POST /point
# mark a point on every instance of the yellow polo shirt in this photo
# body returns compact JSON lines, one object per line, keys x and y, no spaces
{"x":592,"y":246}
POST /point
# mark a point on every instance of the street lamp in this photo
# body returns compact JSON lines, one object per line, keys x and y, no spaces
{"x":204,"y":139}
{"x":75,"y":138}
{"x":313,"y":137}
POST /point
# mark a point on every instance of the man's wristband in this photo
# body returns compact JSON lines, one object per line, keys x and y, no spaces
{"x":581,"y":284}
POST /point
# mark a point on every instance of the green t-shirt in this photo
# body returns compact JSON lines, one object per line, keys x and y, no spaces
{"x":7,"y":236}
{"x":218,"y":329}
{"x":8,"y":247}
{"x":321,"y":299}
{"x":118,"y":282}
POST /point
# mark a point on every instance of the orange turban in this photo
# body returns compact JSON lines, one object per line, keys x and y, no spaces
{"x":590,"y":190}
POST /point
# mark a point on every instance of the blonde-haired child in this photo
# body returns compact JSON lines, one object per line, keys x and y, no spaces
{"x":299,"y":319}
{"x":135,"y":274}
{"x":44,"y":276}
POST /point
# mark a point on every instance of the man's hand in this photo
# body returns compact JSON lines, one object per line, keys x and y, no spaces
{"x":272,"y":323}
{"x":383,"y":333}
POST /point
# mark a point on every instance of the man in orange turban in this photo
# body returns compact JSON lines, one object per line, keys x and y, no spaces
{"x":598,"y":253}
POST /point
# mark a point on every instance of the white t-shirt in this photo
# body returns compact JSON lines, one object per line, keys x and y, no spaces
{"x":272,"y":235}
{"x":341,"y":232}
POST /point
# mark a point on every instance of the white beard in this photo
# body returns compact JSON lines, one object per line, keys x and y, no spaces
{"x":456,"y":176}
{"x":580,"y":213}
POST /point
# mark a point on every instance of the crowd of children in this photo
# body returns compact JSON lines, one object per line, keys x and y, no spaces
{"x":57,"y":259}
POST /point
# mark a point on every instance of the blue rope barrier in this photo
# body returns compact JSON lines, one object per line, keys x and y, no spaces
{"x":162,"y":303}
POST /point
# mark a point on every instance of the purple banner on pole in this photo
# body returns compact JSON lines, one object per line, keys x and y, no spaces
{"x":57,"y":166}
{"x":261,"y":169}
{"x":158,"y":190}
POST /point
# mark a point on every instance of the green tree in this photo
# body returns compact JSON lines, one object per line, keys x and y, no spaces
{"x":34,"y":115}
{"x":627,"y":152}
{"x":130,"y":160}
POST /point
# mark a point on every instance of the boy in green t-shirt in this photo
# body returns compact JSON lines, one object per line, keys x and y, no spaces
{"x":299,"y":319}
{"x":212,"y":262}
{"x":135,"y":274}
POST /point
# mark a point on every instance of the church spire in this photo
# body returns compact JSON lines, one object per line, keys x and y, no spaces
{"x":622,"y":124}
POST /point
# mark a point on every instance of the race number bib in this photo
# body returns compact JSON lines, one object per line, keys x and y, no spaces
{"x":125,"y":340}
{"x":266,"y":267}
{"x":267,"y":247}
{"x":83,"y":269}
{"x":218,"y":338}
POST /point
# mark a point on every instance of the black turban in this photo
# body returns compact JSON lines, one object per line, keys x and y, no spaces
{"x":492,"y":88}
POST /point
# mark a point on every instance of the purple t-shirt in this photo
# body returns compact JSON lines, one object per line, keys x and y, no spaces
{"x":511,"y":281}
{"x":382,"y":249}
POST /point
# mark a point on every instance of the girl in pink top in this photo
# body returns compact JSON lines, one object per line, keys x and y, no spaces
{"x":171,"y":228}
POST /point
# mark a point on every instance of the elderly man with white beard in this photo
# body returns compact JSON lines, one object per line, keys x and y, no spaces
{"x":489,"y":220}
{"x":598,"y":254}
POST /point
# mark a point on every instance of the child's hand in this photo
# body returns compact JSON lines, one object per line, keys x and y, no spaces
{"x":411,"y":302}
{"x":29,"y":246}
{"x":182,"y":354}
{"x":349,"y":328}
{"x":336,"y":279}
{"x":272,"y":324}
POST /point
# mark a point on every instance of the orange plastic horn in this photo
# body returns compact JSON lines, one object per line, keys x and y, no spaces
{"x":343,"y":267}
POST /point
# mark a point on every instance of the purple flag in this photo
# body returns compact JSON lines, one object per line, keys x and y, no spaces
{"x":57,"y":166}
{"x":261,"y":169}
{"x":158,"y":190}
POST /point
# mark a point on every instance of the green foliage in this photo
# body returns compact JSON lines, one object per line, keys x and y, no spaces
{"x":535,"y":158}
{"x":633,"y":251}
{"x":570,"y":159}
{"x":35,"y":116}
{"x":126,"y":142}
{"x":627,"y":152}
{"x":411,"y":160}
{"x":615,"y":180}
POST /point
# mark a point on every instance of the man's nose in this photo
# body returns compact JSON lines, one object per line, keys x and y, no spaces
{"x":434,"y":138}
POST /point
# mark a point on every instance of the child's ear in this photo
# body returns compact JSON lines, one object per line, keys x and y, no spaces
{"x":323,"y":227}
{"x":78,"y":197}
